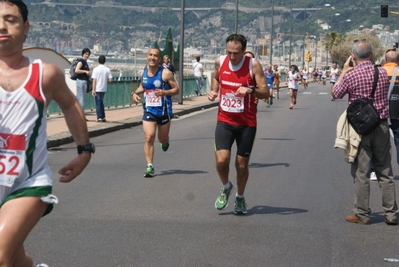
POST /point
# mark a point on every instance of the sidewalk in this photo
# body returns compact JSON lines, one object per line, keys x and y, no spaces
{"x":117,"y":119}
{"x":120,"y":118}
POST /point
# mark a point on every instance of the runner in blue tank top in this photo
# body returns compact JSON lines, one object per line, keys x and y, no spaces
{"x":158,"y":106}
{"x":269,"y":75}
{"x":158,"y":86}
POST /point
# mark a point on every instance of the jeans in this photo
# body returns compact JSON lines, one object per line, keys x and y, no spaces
{"x":81,"y":86}
{"x":100,"y":105}
{"x":200,"y":82}
{"x":395,"y":130}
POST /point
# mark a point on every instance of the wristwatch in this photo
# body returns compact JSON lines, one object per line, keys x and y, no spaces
{"x":89,"y":148}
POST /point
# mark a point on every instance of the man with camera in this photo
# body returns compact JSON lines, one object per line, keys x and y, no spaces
{"x":375,"y":147}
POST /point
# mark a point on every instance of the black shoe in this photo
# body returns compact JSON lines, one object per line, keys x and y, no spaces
{"x":392,"y":221}
{"x":196,"y":92}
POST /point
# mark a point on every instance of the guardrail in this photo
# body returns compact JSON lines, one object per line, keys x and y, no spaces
{"x":119,"y":90}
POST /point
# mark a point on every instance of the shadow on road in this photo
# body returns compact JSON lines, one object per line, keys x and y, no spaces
{"x":256,"y":210}
{"x":265,"y":165}
{"x":172,"y":172}
{"x":276,"y":139}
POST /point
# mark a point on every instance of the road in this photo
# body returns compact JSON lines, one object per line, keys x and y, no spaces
{"x":298,"y":195}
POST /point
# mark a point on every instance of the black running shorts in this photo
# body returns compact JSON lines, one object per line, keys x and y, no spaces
{"x":226,"y":134}
{"x":160,"y":120}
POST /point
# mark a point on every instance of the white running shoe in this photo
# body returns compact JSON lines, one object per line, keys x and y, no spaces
{"x":373,"y":177}
{"x":42,"y":265}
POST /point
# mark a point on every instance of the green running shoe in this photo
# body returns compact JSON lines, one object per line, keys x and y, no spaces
{"x":149,"y":172}
{"x":222,"y":200}
{"x":240,"y":207}
{"x":165,"y":146}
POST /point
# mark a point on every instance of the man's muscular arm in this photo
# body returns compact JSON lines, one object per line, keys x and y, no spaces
{"x":54,"y":87}
{"x":167,"y":76}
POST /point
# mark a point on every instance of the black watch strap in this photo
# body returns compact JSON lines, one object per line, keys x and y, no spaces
{"x":89,"y":148}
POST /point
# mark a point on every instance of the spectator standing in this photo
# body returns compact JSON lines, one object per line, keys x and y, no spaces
{"x":166,"y":64}
{"x":375,"y":147}
{"x":83,"y":72}
{"x":101,"y":77}
{"x":198,"y":72}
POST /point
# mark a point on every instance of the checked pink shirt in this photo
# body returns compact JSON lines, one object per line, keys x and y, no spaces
{"x":359,"y":83}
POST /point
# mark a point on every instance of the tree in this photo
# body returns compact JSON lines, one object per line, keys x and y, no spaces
{"x":333,"y":41}
{"x":340,"y":46}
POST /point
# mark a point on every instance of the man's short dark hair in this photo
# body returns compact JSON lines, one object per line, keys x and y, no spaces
{"x":23,"y":10}
{"x":237,"y":38}
{"x":86,"y":50}
{"x":101,"y":59}
{"x":197,"y":58}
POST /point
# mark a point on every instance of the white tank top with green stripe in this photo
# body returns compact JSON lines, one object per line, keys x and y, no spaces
{"x":23,"y":138}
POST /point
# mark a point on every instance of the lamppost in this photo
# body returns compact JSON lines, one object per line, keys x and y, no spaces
{"x":341,"y":39}
{"x":290,"y":48}
{"x":328,"y":27}
{"x":236,"y":16}
{"x":271,"y":35}
{"x":181,"y":51}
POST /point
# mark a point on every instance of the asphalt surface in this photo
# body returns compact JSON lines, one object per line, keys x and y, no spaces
{"x":298,"y":195}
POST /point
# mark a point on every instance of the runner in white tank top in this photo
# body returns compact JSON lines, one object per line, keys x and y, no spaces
{"x":304,"y":74}
{"x":26,"y":88}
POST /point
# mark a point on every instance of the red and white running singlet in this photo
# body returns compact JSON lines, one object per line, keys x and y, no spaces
{"x":23,"y":138}
{"x":236,"y":110}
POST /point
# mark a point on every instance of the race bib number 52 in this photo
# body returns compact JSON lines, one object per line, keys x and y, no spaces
{"x":12,"y":157}
{"x":232,"y":103}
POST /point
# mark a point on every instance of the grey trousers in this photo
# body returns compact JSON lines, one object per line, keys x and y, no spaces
{"x":376,"y":148}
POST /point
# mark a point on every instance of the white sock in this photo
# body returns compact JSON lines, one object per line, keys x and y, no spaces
{"x":226,"y":186}
{"x":149,"y":164}
{"x":240,"y":196}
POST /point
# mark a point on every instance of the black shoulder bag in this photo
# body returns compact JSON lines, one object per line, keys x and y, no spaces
{"x":361,"y":113}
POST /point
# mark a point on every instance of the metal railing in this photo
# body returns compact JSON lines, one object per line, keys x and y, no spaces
{"x":118,"y":94}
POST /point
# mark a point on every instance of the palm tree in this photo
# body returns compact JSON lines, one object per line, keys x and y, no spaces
{"x":333,"y":40}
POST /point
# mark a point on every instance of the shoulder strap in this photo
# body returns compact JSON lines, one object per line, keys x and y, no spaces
{"x":393,"y":79}
{"x":376,"y":72}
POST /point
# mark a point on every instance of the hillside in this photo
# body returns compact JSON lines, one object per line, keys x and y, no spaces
{"x":119,"y":28}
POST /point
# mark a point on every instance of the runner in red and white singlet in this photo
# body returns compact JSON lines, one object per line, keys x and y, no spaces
{"x":239,"y":110}
{"x":237,"y":80}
